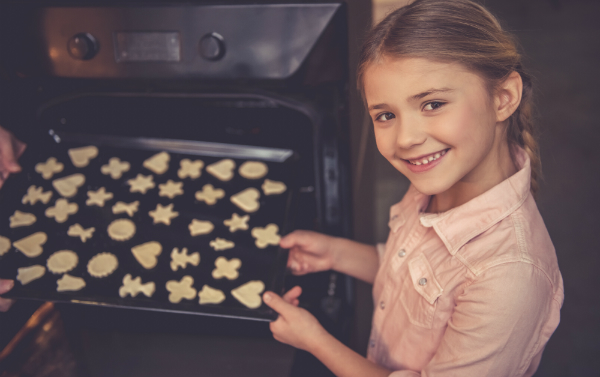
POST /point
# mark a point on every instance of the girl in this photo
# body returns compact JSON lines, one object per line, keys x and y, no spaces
{"x":468,"y":282}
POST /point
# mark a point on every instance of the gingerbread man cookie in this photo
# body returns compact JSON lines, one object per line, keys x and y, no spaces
{"x":134,"y":286}
{"x":181,"y":259}
{"x":35,"y":194}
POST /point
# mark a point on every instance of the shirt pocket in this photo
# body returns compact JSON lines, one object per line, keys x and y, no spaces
{"x":420,"y":292}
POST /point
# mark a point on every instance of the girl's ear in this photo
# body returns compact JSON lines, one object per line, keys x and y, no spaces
{"x":508,"y":96}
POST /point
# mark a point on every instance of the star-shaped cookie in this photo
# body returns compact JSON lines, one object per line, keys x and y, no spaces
{"x":97,"y":198}
{"x":163,"y":214}
{"x":141,"y":183}
{"x":170,"y":189}
{"x":237,"y":223}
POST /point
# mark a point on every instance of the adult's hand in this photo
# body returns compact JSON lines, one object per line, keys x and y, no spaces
{"x":11,"y":149}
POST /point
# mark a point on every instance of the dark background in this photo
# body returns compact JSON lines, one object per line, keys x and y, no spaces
{"x":561,"y":44}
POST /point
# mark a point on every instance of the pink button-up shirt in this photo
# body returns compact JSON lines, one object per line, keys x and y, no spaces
{"x":474,"y":291}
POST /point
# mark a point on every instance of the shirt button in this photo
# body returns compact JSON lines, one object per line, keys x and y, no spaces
{"x":423,"y":281}
{"x":372,"y":343}
{"x":382,"y":305}
{"x":402,"y":253}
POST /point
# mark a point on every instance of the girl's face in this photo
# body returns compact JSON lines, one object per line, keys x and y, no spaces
{"x":434,"y":122}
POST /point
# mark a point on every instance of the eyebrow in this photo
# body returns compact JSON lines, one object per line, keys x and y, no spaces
{"x":413,"y":98}
{"x":429,"y":92}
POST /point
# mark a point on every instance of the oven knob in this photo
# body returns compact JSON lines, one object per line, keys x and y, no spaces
{"x":212,"y":46}
{"x":82,"y":46}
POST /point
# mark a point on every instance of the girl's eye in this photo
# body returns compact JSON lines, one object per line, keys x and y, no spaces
{"x":385,"y":116}
{"x":433,"y":106}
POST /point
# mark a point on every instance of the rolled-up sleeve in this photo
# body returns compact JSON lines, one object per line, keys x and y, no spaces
{"x":499,"y":324}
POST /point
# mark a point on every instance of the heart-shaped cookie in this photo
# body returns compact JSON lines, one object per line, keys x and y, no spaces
{"x":80,"y":157}
{"x":249,"y":293}
{"x":222,"y":170}
{"x":247,"y":200}
{"x":159,"y":163}
{"x":147,"y":253}
{"x":67,"y":186}
{"x":31,"y":245}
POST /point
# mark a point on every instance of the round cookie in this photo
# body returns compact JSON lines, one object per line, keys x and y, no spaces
{"x":102,"y":265}
{"x":121,"y":229}
{"x":253,"y":169}
{"x":62,"y":261}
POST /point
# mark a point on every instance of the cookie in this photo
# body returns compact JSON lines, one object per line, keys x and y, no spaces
{"x":247,"y":200}
{"x":68,"y":186}
{"x":31,"y":245}
{"x":237,"y":223}
{"x":181,"y":259}
{"x":115,"y":168}
{"x":128,"y":208}
{"x":77,"y":230}
{"x":103,"y":264}
{"x":222,"y":170}
{"x":273,"y":187}
{"x":35,"y":194}
{"x":170,"y":189}
{"x":21,"y":219}
{"x":226,"y":268}
{"x":266,"y":236}
{"x":49,"y":168}
{"x":141,"y":183}
{"x":249,"y":293}
{"x":121,"y":229}
{"x":163,"y":214}
{"x":209,"y":194}
{"x":97,"y":198}
{"x":159,"y":163}
{"x":134,"y":286}
{"x":62,"y":210}
{"x":146,"y":254}
{"x":62,"y":261}
{"x":191,"y":169}
{"x":209,"y":295}
{"x":220,"y":244}
{"x":28,"y":274}
{"x":69,"y":283}
{"x":80,"y":157}
{"x":253,"y":170}
{"x":4,"y":245}
{"x":181,"y":289}
{"x":198,"y":227}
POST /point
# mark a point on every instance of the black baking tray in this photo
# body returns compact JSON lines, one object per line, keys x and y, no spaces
{"x":267,"y":265}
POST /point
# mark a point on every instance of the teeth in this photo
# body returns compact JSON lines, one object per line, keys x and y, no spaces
{"x":427,"y":160}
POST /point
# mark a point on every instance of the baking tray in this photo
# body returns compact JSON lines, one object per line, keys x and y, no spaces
{"x":267,"y":265}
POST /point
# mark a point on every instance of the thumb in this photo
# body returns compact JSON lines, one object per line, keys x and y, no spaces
{"x":277,"y":303}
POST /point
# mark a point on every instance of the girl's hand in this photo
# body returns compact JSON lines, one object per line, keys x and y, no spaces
{"x":309,"y":251}
{"x":5,"y":286}
{"x":295,"y":326}
{"x":11,"y":149}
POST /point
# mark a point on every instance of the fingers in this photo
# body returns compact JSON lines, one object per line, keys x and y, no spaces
{"x":297,"y":237}
{"x":277,"y":303}
{"x":5,"y":304}
{"x":291,"y":296}
{"x":5,"y":286}
{"x":8,"y":153}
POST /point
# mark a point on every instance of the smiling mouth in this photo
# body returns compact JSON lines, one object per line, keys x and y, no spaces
{"x":424,"y":160}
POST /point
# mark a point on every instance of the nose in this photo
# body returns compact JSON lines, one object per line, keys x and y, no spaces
{"x":409,"y":133}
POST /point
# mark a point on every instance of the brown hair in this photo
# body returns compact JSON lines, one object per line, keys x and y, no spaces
{"x":459,"y":31}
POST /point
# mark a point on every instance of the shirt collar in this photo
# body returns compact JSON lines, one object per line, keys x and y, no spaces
{"x":459,"y":225}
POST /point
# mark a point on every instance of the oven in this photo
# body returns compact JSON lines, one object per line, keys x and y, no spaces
{"x":244,"y":82}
